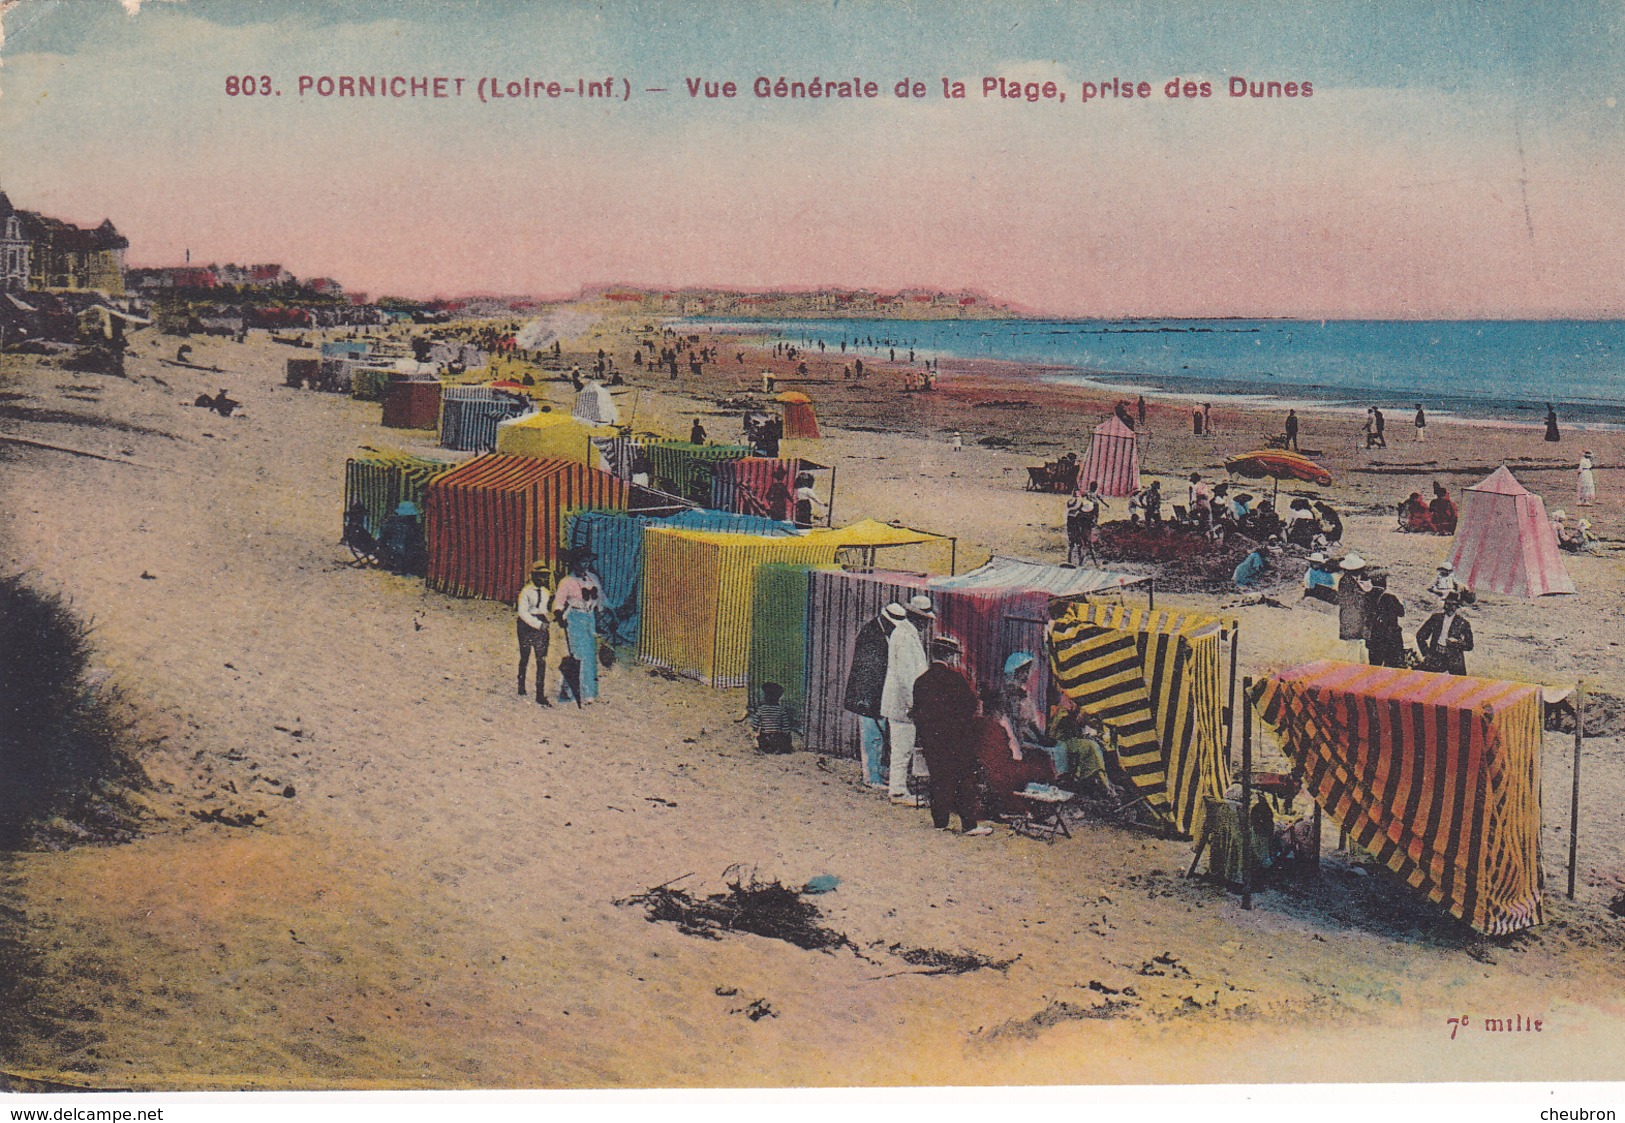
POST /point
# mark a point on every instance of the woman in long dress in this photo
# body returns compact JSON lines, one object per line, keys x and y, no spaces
{"x":1586,"y":484}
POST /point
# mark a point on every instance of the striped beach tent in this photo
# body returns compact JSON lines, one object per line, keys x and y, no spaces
{"x":469,"y":416}
{"x":552,"y":434}
{"x":1154,"y":677}
{"x":595,"y":406}
{"x":615,"y":539}
{"x":412,"y":403}
{"x":800,"y":423}
{"x":747,"y":485}
{"x":698,"y":587}
{"x":1437,"y":776}
{"x":838,"y":604}
{"x":685,"y":470}
{"x":1057,"y":580}
{"x":778,"y":634}
{"x":1113,"y":460}
{"x":487,"y":521}
{"x":1504,"y":542}
{"x":381,"y":480}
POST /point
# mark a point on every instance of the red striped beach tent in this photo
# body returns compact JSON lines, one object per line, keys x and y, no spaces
{"x":1505,"y":544}
{"x":800,"y":423}
{"x":1113,"y":460}
{"x":1437,"y":776}
{"x":489,"y":519}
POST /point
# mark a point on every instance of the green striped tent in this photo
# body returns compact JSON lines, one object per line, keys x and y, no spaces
{"x":381,"y":480}
{"x":685,"y":470}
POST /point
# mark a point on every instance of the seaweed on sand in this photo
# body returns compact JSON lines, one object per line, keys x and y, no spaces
{"x":761,"y":908}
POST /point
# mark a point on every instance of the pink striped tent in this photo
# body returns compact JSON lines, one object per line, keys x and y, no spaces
{"x":1113,"y":460}
{"x":1504,"y":542}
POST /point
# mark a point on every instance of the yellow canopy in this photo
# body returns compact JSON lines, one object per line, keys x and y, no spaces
{"x":793,"y":396}
{"x":551,"y":435}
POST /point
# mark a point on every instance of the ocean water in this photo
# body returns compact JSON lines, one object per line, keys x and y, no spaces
{"x":1490,"y":369}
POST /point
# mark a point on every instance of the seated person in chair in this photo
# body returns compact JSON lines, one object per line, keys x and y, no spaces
{"x":1007,"y":767}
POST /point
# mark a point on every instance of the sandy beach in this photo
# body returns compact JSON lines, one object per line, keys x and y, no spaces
{"x":423,"y":891}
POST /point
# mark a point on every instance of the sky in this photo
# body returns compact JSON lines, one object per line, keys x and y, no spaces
{"x":1455,"y":160}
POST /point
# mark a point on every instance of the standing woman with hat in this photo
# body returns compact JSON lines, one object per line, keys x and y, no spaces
{"x":575,"y":607}
{"x":1586,"y":483}
{"x":1351,"y":608}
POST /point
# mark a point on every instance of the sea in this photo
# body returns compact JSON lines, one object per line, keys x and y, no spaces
{"x":1488,"y":370}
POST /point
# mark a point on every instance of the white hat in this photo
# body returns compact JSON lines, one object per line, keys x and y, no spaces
{"x":895,"y":611}
{"x":920,"y":605}
{"x":1560,"y":514}
{"x":1446,"y":567}
{"x":1317,"y":557}
{"x":1353,"y":561}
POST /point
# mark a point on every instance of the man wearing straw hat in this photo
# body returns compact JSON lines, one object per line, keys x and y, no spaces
{"x":534,"y":605}
{"x":944,"y":708}
{"x":905,"y":663}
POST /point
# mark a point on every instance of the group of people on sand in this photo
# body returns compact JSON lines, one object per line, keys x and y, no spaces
{"x":573,"y":607}
{"x":976,"y":746}
{"x":1435,"y":516}
{"x":1369,"y":615}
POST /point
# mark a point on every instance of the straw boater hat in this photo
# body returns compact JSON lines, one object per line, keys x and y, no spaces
{"x":920,"y":605}
{"x":1446,"y":567}
{"x":895,"y":611}
{"x":1318,"y":558}
{"x":1353,"y":562}
{"x":540,"y":567}
{"x":945,"y":644}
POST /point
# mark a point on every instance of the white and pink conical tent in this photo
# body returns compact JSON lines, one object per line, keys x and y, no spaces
{"x":1504,"y":542}
{"x":1113,"y":460}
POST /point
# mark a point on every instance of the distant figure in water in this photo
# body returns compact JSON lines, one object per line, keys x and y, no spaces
{"x":1551,"y":424}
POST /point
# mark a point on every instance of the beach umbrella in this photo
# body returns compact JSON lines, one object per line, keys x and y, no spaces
{"x":1277,"y":465}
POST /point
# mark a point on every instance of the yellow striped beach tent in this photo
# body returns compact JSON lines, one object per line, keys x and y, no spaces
{"x":698,"y":587}
{"x":380,"y":479}
{"x":555,"y":435}
{"x":1155,"y":678}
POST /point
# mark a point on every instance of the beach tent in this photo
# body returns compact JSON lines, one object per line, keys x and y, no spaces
{"x":1113,"y":460}
{"x":557,"y":435}
{"x":1437,"y":776}
{"x":799,"y":421}
{"x":412,"y":403}
{"x":469,"y":416}
{"x":380,"y":480}
{"x":1156,"y":679}
{"x":755,"y":485}
{"x":838,"y":605}
{"x":489,"y":519}
{"x":1505,"y":544}
{"x":615,"y":539}
{"x":595,"y":406}
{"x":685,"y":470}
{"x":698,"y":587}
{"x":994,"y":611}
{"x":778,"y":634}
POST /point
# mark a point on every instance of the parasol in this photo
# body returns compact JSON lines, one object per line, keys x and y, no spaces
{"x":1277,"y":465}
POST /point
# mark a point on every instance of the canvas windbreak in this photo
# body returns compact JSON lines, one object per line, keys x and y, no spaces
{"x":1154,"y":677}
{"x":755,"y":485}
{"x":487,"y":521}
{"x":778,"y":637}
{"x":698,"y":588}
{"x":1437,"y":776}
{"x":684,"y":469}
{"x":838,"y":605}
{"x":469,"y":416}
{"x":381,"y":481}
{"x":412,"y":404}
{"x":615,"y":540}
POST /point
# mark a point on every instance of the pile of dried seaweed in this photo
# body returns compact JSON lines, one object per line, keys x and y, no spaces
{"x":949,"y":962}
{"x":761,"y":908}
